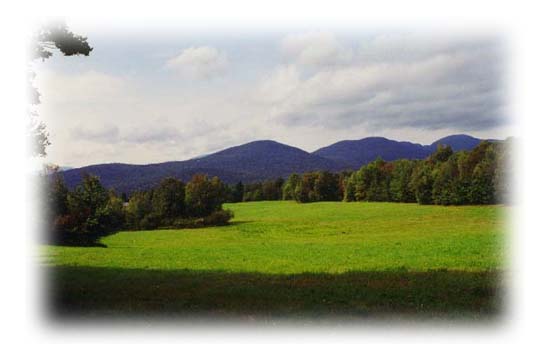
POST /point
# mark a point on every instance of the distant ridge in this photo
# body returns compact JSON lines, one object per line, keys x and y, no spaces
{"x":458,"y":142}
{"x":362,"y":151}
{"x":250,"y":162}
{"x":263,"y":159}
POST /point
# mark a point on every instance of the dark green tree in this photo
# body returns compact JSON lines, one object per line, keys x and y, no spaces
{"x":139,"y":211}
{"x":203,"y":196}
{"x":92,"y":212}
{"x":168,"y":202}
{"x":442,"y":153}
{"x":422,"y":182}
{"x":326,"y":186}
{"x":379,"y":176}
{"x":238,"y":192}
{"x":446,"y":183}
{"x":400,"y":190}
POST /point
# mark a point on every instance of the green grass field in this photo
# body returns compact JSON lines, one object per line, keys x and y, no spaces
{"x":294,"y":260}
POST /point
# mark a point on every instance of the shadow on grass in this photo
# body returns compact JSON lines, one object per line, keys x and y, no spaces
{"x":111,"y":293}
{"x":79,"y":245}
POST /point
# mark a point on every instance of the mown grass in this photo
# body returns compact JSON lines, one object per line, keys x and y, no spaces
{"x":289,"y":259}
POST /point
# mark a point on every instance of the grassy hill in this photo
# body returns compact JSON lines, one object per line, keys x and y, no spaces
{"x":295,"y":260}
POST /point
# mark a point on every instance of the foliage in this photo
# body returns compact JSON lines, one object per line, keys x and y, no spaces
{"x":289,"y":187}
{"x":84,"y":215}
{"x":235,"y":193}
{"x":90,"y":211}
{"x":168,"y":200}
{"x":478,"y":176}
{"x":45,"y":40}
{"x":203,"y":195}
{"x":400,"y":189}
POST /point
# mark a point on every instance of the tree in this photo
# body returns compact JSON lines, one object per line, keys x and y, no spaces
{"x":361,"y":181}
{"x":57,"y":195}
{"x":482,"y":189}
{"x":503,"y":171}
{"x":238,"y":192}
{"x":203,"y":196}
{"x":421,"y":182}
{"x":271,"y":190}
{"x":289,"y":187}
{"x":305,"y":189}
{"x":446,"y":189}
{"x":139,"y":208}
{"x":46,"y":39}
{"x":92,"y":212}
{"x":400,"y":190}
{"x":442,"y":153}
{"x":350,"y":188}
{"x":168,"y":201}
{"x":326,"y":186}
{"x":379,"y":176}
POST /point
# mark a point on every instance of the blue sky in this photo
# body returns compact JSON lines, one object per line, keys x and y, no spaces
{"x":153,"y":94}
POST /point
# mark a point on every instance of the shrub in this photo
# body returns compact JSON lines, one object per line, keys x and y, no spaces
{"x":218,"y":218}
{"x":187,"y":223}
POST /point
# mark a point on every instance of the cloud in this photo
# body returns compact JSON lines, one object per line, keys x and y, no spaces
{"x":199,"y":62}
{"x":316,"y":49}
{"x":453,"y":86}
{"x":279,"y":85}
{"x":101,"y":133}
{"x":407,"y":86}
{"x":89,"y":87}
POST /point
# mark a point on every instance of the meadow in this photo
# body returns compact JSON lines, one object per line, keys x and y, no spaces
{"x":291,"y":260}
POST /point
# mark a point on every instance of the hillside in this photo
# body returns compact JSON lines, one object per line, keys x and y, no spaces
{"x":260,"y":160}
{"x":458,"y":142}
{"x":359,"y":152}
{"x":248,"y":163}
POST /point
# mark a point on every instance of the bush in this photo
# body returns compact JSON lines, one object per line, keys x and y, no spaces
{"x":150,"y":221}
{"x":187,"y":223}
{"x":218,"y":218}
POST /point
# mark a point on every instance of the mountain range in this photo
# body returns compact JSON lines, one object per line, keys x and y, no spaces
{"x":262,"y":160}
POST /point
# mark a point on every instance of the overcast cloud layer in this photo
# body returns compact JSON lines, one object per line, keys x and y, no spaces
{"x":176,"y":99}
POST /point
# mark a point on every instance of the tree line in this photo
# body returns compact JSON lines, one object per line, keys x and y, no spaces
{"x":90,"y":211}
{"x":446,"y":178}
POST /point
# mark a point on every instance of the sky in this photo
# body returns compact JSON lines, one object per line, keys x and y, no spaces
{"x":150,"y":95}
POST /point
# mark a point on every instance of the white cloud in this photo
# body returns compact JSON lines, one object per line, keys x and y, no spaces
{"x":280,"y":84}
{"x":315,"y":48}
{"x":87,"y":87}
{"x":199,"y":62}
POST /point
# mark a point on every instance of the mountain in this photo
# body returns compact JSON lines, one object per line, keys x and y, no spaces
{"x":251,"y":162}
{"x":360,"y":152}
{"x":458,"y":142}
{"x":262,"y":160}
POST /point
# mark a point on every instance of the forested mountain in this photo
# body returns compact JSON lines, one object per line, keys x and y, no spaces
{"x":261,"y":160}
{"x":251,"y":162}
{"x":458,"y":142}
{"x":360,"y":152}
